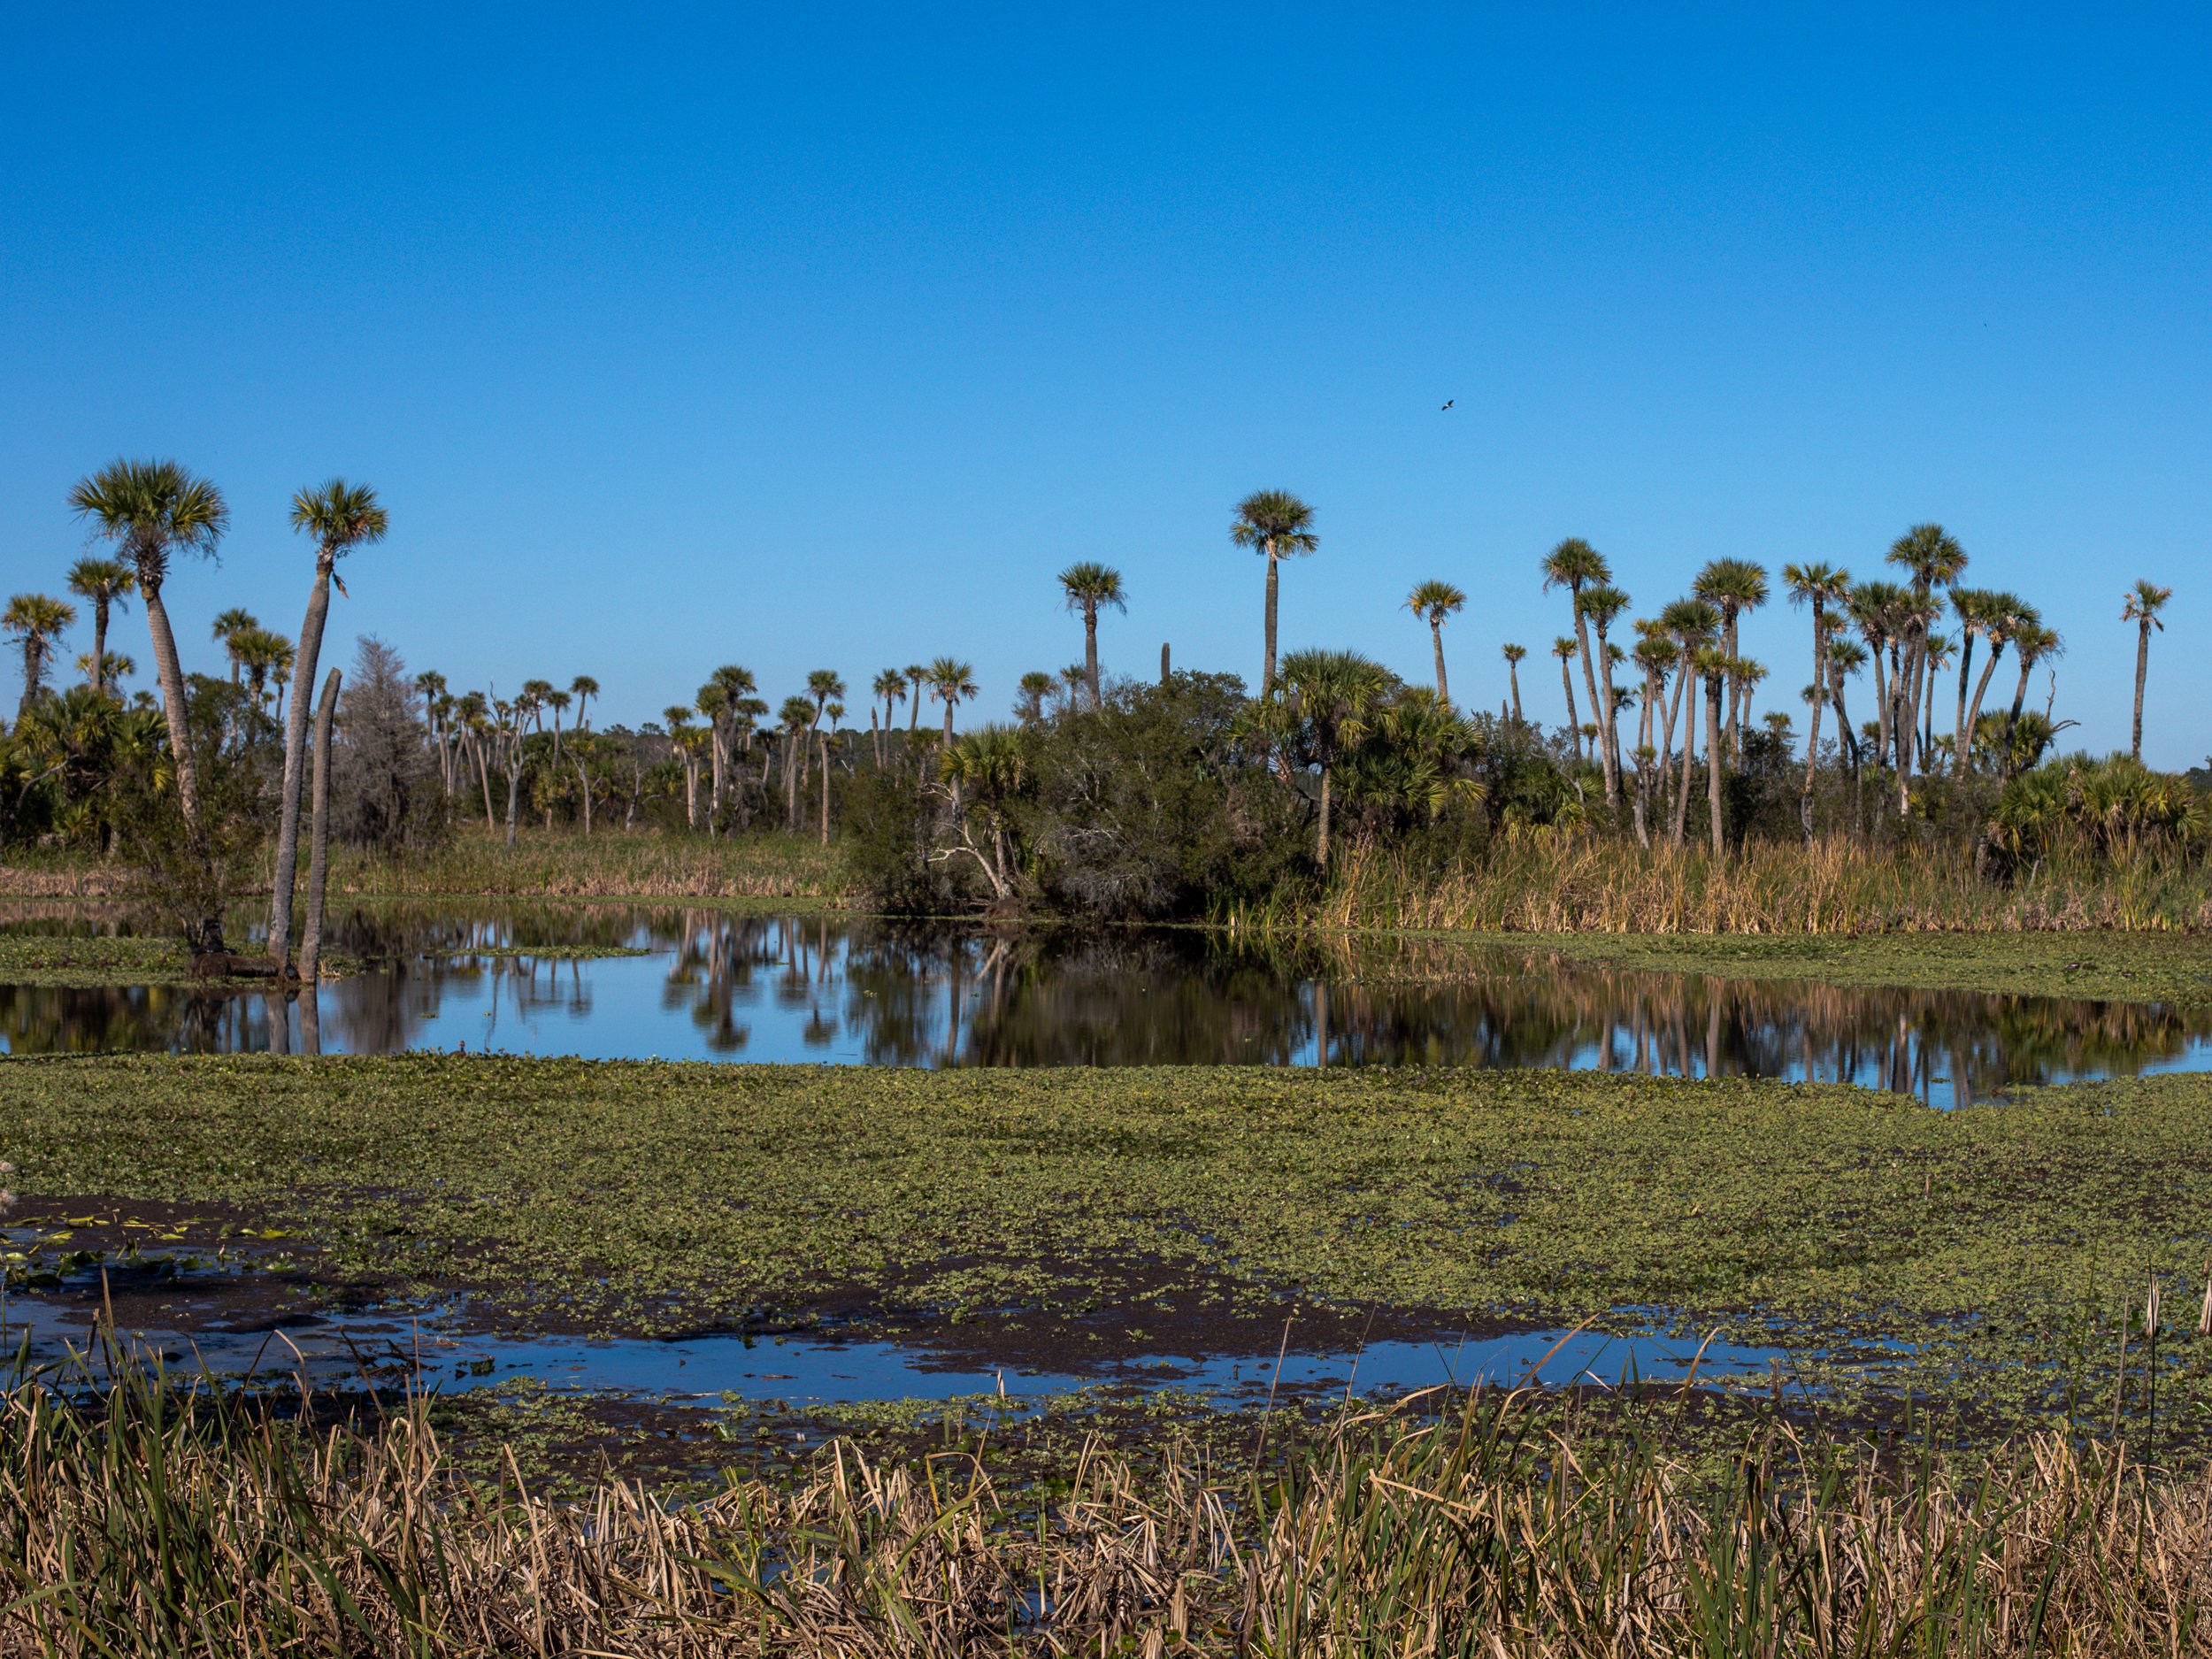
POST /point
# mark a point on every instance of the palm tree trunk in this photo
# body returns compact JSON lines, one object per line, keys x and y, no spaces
{"x":484,"y":774}
{"x":2142,"y":671}
{"x":790,"y":785}
{"x":287,"y":848}
{"x":1845,"y":736}
{"x":1436,"y":639}
{"x":1713,"y":754}
{"x":949,"y":703}
{"x":2019,"y":697}
{"x":32,"y":669}
{"x":1574,"y":724}
{"x":1513,"y":674}
{"x":171,"y":675}
{"x":1689,"y":758}
{"x":1881,"y":706}
{"x":1267,"y":669}
{"x":825,"y":790}
{"x":1812,"y":742}
{"x":1732,"y":720}
{"x":583,"y":789}
{"x":100,"y":645}
{"x":318,"y":833}
{"x":1610,"y":761}
{"x":1090,"y":648}
{"x":1589,"y":675}
{"x":1981,"y":687}
{"x":1321,"y":852}
{"x":1958,"y":729}
{"x":514,"y":788}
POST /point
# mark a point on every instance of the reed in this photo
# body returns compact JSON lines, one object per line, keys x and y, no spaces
{"x":1577,"y":884}
{"x":643,"y":864}
{"x":139,"y":1520}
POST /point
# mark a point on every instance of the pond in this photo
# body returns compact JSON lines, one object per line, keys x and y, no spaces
{"x":705,"y":984}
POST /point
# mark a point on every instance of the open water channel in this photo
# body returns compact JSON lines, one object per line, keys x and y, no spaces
{"x":610,"y":981}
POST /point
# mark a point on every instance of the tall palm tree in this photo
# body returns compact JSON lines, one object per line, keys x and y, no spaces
{"x":2004,"y":616}
{"x":1845,"y":657}
{"x":1656,"y":655}
{"x":153,"y":511}
{"x":686,"y":740}
{"x":1575,"y":565}
{"x":2145,"y":601}
{"x":228,"y":628}
{"x":1820,"y":585}
{"x":1735,"y":585}
{"x":796,"y":718}
{"x":890,"y":685}
{"x":1934,"y":557}
{"x":1691,"y":624}
{"x":103,"y":584}
{"x":1433,"y":601}
{"x":2031,"y":643}
{"x":1972,"y":607}
{"x":1331,"y":697}
{"x":1714,"y":664}
{"x":1513,"y":655}
{"x":1087,"y":587}
{"x":823,"y":686}
{"x":1280,"y":526}
{"x":1566,"y":649}
{"x":35,"y":619}
{"x":721,"y":700}
{"x":1877,"y":607}
{"x":949,"y":680}
{"x":583,"y":688}
{"x":916,"y":678}
{"x":338,"y":517}
{"x":1599,"y":605}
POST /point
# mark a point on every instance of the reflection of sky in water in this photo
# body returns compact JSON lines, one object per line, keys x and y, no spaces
{"x":854,"y":991}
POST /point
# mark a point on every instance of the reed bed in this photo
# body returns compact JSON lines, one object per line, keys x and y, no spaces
{"x":1579,"y":884}
{"x":644,"y":863}
{"x":139,"y":1521}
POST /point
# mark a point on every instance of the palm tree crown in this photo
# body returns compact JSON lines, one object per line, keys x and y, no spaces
{"x":340,"y":517}
{"x":35,"y":619}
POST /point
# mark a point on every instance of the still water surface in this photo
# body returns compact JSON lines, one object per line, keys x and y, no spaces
{"x":708,"y":985}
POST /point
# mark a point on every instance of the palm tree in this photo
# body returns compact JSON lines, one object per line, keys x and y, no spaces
{"x":266,"y":657}
{"x":153,"y":511}
{"x":1599,"y":605}
{"x":890,"y":685}
{"x":1973,"y":608}
{"x":583,"y":688}
{"x":1029,"y":699}
{"x":1656,"y":655}
{"x":1279,"y":524}
{"x":722,"y":701}
{"x":949,"y":680}
{"x":823,"y":686}
{"x":531,"y":700}
{"x":1691,"y":624}
{"x":1820,"y":585}
{"x":1087,"y":586}
{"x":1575,"y":565}
{"x":2145,"y":601}
{"x":1331,"y":696}
{"x":686,"y":740}
{"x":2004,"y":615}
{"x":796,"y":718}
{"x":1513,"y":655}
{"x":1564,"y":649}
{"x":110,"y":670}
{"x":917,"y":677}
{"x":1937,"y":649}
{"x":105,"y":583}
{"x":2032,"y":643}
{"x":35,"y":619}
{"x":1713,"y":664}
{"x":339,"y":516}
{"x":1934,"y":557}
{"x":1433,"y":601}
{"x":1735,"y":585}
{"x":1845,"y":657}
{"x":226,"y":629}
{"x":1877,"y":608}
{"x":557,"y":700}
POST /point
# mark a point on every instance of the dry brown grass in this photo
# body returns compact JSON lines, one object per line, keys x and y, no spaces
{"x":1577,"y":884}
{"x":221,"y":1531}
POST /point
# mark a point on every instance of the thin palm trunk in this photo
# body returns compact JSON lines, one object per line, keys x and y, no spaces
{"x":514,"y":788}
{"x":1436,"y":639}
{"x":1513,"y":677}
{"x":583,"y":789}
{"x":287,"y":848}
{"x":825,"y":790}
{"x":1590,"y":682}
{"x":1959,"y":727}
{"x":2142,"y":672}
{"x":1713,"y":755}
{"x":318,"y":833}
{"x":1881,"y":703}
{"x":1574,"y":723}
{"x":170,"y":674}
{"x":1681,"y":827}
{"x":1812,"y":742}
{"x":1846,"y":737}
{"x":2019,"y":698}
{"x":1610,"y":761}
{"x":1267,"y":669}
{"x":1733,"y":719}
{"x":949,"y":703}
{"x":1321,"y":853}
{"x":100,"y":645}
{"x":1679,"y":785}
{"x":484,"y":773}
{"x":1981,"y":689}
{"x":1090,"y":647}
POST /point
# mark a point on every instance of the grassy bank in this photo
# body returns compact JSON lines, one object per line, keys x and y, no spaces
{"x":141,"y":1527}
{"x":1988,"y":1256}
{"x":1583,"y":884}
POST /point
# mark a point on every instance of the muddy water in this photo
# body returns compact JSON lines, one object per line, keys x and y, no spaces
{"x":709,"y":986}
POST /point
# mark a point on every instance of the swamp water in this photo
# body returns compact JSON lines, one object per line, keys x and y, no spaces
{"x":620,"y":982}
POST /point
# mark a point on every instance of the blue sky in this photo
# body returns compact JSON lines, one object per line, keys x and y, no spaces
{"x":805,"y":336}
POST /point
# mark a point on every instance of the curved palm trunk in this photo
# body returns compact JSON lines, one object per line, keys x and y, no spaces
{"x":1090,"y":648}
{"x":1267,"y":669}
{"x":1681,"y":827}
{"x":170,"y":674}
{"x":484,"y":776}
{"x":2012,"y":716}
{"x":1589,"y":681}
{"x":1436,"y":639}
{"x":1981,"y":688}
{"x":1712,"y":756}
{"x":1848,"y":738}
{"x":1958,"y":744}
{"x":1574,"y":722}
{"x":318,"y":833}
{"x":287,"y":848}
{"x":2142,"y":671}
{"x":1670,"y":707}
{"x":1611,"y":760}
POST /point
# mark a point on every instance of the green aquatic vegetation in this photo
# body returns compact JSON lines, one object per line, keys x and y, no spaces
{"x":1988,"y":1256}
{"x":90,"y":960}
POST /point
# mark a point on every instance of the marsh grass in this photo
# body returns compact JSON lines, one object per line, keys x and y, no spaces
{"x":141,"y":1520}
{"x":639,"y":865}
{"x":1567,"y":884}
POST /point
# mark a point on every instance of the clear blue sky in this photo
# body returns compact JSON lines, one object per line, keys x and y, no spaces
{"x":813,"y":336}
